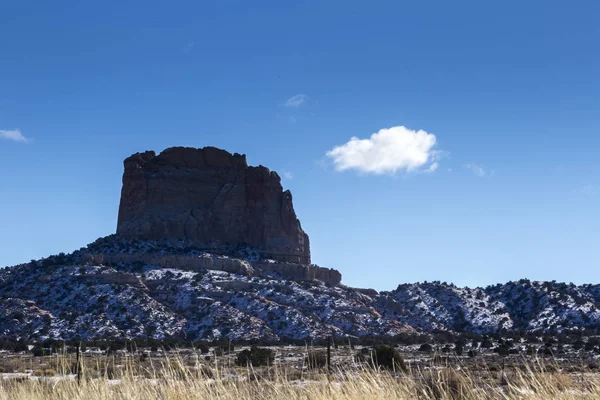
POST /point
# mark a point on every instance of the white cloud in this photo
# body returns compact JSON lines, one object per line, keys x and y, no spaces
{"x":296,"y":101}
{"x":432,"y":167}
{"x":477,"y":169}
{"x":387,"y":152}
{"x":14,"y":135}
{"x":288,"y":175}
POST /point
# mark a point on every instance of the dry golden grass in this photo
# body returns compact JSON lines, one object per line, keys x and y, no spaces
{"x":178,"y":379}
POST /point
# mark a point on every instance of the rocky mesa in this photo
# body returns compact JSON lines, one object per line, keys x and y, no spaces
{"x":208,"y":196}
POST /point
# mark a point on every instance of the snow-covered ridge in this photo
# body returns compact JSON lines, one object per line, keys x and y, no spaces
{"x":75,"y":295}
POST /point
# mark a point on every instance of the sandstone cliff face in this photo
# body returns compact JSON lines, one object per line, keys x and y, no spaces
{"x":298,"y":272}
{"x":208,"y":195}
{"x":188,"y":263}
{"x":117,"y":278}
{"x":302,"y":272}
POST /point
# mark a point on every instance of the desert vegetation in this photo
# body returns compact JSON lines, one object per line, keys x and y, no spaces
{"x":221,"y":371}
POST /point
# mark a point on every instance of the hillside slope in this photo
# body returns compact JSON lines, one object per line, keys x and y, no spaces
{"x":83,"y":296}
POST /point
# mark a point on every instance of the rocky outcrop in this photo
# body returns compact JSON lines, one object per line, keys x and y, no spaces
{"x":302,"y":272}
{"x":117,"y":278}
{"x":207,"y":261}
{"x":188,"y":263}
{"x":368,"y":292}
{"x":207,"y":196}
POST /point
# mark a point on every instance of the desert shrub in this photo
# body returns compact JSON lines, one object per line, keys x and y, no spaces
{"x":203,"y":347}
{"x":486,"y":343}
{"x":459,"y":347}
{"x":387,"y":357}
{"x":545,"y":351}
{"x":255,"y":356}
{"x":503,"y":350}
{"x":494,"y":368}
{"x":316,"y":359}
{"x":37,"y":351}
{"x":44,"y":372}
{"x":446,"y":384}
{"x":225,"y":344}
{"x":426,"y":348}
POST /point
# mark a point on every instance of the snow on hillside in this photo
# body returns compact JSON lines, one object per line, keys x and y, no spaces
{"x":70,"y":296}
{"x":76,"y":299}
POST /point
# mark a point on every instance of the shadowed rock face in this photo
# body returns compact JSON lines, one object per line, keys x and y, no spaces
{"x":208,"y":195}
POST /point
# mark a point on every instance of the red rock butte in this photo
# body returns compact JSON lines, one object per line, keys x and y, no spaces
{"x":208,"y":196}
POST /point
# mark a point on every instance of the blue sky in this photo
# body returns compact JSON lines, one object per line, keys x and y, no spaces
{"x":503,"y":184}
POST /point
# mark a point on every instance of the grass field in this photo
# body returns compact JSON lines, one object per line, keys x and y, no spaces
{"x":182,"y":377}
